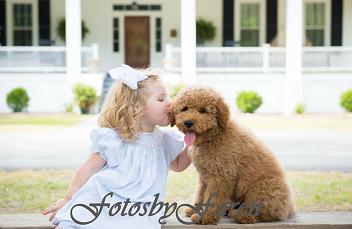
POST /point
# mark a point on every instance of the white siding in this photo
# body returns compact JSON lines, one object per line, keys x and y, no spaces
{"x":211,"y":10}
{"x":47,"y":92}
{"x":281,"y":18}
{"x":57,"y":11}
{"x":347,"y":23}
{"x":99,"y":21}
{"x":321,"y":91}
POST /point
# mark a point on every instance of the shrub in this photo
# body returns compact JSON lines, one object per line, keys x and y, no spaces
{"x":17,"y":99}
{"x":248,"y":101}
{"x":84,"y":96}
{"x":299,"y":109}
{"x":346,"y":100}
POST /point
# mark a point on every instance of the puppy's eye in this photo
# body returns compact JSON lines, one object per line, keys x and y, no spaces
{"x":184,"y":109}
{"x":202,"y":110}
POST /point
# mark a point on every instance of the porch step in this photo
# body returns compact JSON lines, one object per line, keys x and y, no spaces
{"x":302,"y":220}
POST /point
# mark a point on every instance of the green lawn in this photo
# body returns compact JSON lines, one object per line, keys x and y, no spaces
{"x":22,"y":121}
{"x":31,"y":191}
{"x":340,"y":122}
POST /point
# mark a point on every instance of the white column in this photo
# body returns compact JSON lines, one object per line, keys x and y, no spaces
{"x":73,"y":38}
{"x":168,"y":61}
{"x":188,"y":41}
{"x":294,"y":42}
{"x":266,"y":57}
{"x":94,"y":62}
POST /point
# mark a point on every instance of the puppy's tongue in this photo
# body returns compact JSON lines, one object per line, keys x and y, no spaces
{"x":190,"y":138}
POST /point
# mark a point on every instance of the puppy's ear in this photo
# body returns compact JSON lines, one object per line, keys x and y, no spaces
{"x":172,"y":115}
{"x":223,"y":113}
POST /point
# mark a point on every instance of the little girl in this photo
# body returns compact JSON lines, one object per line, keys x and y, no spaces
{"x":130,"y":156}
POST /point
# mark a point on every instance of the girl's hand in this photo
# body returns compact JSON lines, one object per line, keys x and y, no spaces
{"x":53,"y":208}
{"x":182,"y":161}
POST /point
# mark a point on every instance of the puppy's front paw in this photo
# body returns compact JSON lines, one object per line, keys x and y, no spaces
{"x":242,"y":218}
{"x":210,"y":218}
{"x":189,"y":212}
{"x":195,"y":218}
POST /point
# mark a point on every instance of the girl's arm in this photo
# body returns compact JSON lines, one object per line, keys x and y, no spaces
{"x":182,"y":161}
{"x":91,"y":166}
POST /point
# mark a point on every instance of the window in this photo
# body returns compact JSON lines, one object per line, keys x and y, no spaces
{"x":249,"y":24}
{"x":116,"y":43}
{"x":315,"y":23}
{"x":158,"y":34}
{"x":135,"y":6}
{"x":22,"y":25}
{"x":155,"y":7}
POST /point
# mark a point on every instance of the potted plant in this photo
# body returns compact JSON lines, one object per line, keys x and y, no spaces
{"x":205,"y":31}
{"x":84,"y":96}
{"x":61,"y":29}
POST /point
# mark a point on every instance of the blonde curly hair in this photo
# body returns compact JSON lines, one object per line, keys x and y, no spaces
{"x":122,"y":107}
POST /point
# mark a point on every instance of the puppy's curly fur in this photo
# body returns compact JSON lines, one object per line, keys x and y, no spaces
{"x":230,"y":160}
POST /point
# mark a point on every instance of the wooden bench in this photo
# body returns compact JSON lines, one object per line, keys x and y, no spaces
{"x":302,"y":220}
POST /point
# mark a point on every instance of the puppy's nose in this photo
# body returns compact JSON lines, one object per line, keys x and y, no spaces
{"x":188,"y":123}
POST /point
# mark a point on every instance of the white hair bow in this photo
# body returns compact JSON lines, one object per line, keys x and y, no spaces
{"x":127,"y":75}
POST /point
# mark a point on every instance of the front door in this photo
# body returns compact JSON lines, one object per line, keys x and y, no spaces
{"x":137,"y":49}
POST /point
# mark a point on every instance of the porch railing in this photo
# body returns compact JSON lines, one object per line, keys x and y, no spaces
{"x":261,"y":59}
{"x":43,"y":58}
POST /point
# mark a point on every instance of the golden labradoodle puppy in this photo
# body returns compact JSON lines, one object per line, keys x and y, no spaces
{"x":231,"y":162}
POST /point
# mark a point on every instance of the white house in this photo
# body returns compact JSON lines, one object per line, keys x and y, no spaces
{"x":307,"y":59}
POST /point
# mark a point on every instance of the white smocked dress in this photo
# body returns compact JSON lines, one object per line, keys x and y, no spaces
{"x":135,"y":170}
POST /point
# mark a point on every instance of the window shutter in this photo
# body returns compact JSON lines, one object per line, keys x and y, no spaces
{"x":271,"y":20}
{"x":228,"y":23}
{"x":336,"y":22}
{"x":44,"y":22}
{"x":2,"y":23}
